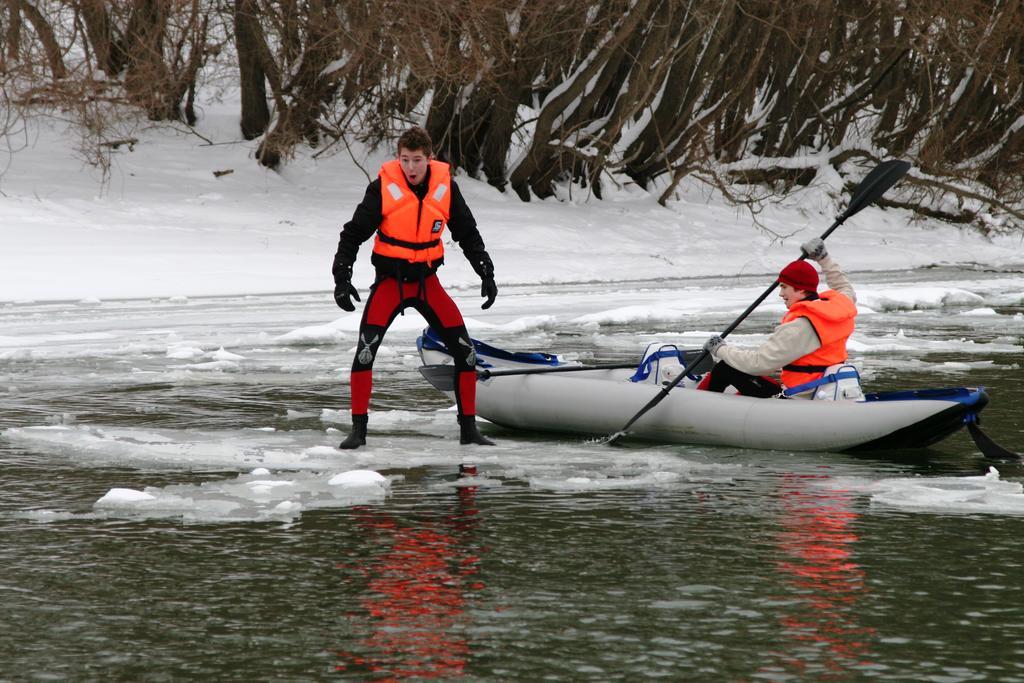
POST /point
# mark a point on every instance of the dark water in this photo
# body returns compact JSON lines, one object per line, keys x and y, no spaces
{"x":763,"y":574}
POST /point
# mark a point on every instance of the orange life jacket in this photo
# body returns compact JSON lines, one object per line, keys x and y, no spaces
{"x":412,"y":229}
{"x":832,"y":317}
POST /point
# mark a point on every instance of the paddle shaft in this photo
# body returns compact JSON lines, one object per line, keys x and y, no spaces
{"x":442,"y":377}
{"x":870,"y":189}
{"x":487,"y":374}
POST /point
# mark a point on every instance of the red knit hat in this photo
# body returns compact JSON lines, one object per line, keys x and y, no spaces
{"x":800,"y":275}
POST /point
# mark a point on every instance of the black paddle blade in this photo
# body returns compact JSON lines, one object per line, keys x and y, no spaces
{"x":989,"y":448}
{"x":875,"y":184}
{"x":441,"y":377}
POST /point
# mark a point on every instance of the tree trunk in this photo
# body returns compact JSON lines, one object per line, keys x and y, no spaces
{"x":498,"y":138}
{"x":147,"y":78}
{"x":440,"y":118}
{"x":110,"y":55}
{"x":183,"y":76}
{"x":12,"y":34}
{"x":255,"y":115}
{"x":52,"y":49}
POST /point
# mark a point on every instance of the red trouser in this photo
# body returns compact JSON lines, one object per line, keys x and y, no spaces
{"x":387,"y":299}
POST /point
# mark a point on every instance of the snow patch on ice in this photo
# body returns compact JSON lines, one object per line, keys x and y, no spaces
{"x":248,"y":497}
{"x":983,"y":494}
{"x":222,"y":355}
{"x":916,"y":297}
{"x":358,"y":479}
{"x":124,"y":497}
{"x":312,"y":335}
{"x":212,"y":366}
{"x":184,"y":352}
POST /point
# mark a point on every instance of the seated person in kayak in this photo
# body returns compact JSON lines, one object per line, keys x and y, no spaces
{"x":812,"y":335}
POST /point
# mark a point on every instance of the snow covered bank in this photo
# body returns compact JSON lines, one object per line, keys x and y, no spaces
{"x":164,"y":226}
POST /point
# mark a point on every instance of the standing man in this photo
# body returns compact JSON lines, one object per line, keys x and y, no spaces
{"x":408,"y":206}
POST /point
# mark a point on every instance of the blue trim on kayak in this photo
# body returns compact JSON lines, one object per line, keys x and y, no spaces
{"x":432,"y":342}
{"x":967,"y":396}
{"x":964,"y":406}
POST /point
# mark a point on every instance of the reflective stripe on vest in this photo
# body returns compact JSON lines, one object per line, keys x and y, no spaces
{"x":412,"y":230}
{"x":832,"y":316}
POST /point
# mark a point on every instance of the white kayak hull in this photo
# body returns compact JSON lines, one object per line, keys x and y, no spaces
{"x":600,"y":402}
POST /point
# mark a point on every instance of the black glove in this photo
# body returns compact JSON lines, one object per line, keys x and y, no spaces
{"x":344,"y":292}
{"x":489,"y":289}
{"x":483,"y":266}
{"x":814,"y":249}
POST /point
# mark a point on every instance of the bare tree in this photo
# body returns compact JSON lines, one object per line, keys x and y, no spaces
{"x":752,"y":96}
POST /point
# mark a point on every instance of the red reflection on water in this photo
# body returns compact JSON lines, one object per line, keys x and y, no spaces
{"x":414,"y":603}
{"x":818,"y":540}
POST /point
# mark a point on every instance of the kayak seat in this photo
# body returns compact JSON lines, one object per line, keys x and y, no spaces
{"x":841,"y":382}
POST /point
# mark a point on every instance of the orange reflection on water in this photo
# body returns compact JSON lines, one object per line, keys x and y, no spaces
{"x":414,"y":603}
{"x":817,"y":541}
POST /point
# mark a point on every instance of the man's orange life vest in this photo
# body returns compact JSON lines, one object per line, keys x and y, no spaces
{"x":412,"y":229}
{"x":832,"y":317}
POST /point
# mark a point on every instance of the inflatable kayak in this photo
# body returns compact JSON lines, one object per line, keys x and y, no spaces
{"x":553,"y":395}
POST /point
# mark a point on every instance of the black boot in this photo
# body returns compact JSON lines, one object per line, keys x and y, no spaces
{"x":468,"y":432}
{"x":357,"y":437}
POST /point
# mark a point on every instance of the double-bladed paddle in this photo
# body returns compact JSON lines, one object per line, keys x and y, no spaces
{"x":874,"y":185}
